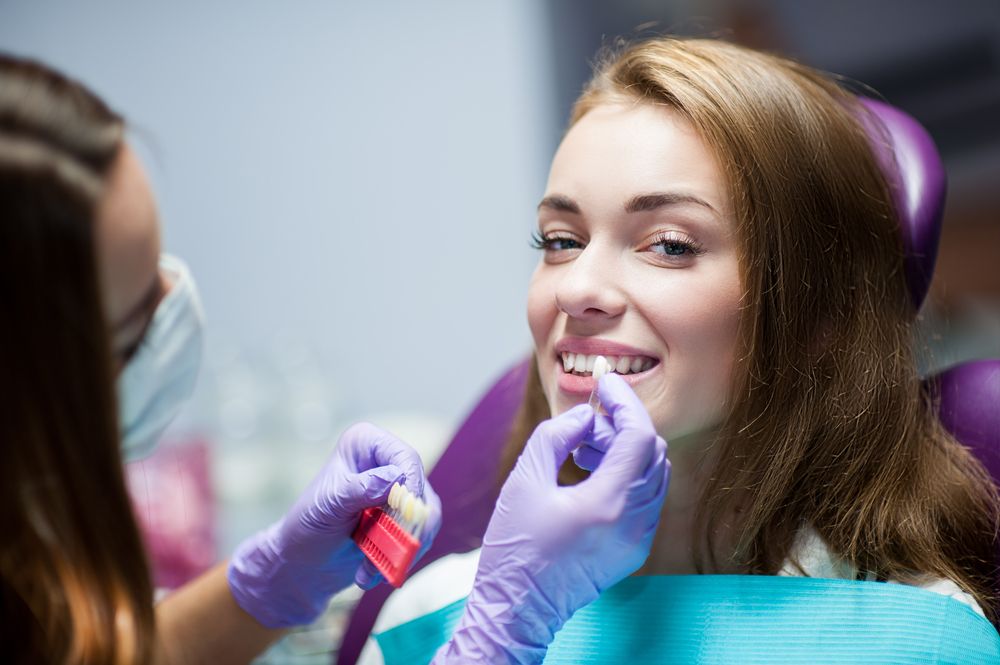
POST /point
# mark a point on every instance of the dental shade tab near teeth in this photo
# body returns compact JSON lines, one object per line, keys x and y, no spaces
{"x":601,"y":367}
{"x":390,"y":535}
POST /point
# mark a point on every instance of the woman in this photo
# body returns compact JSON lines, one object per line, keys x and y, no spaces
{"x":88,"y":301}
{"x":716,"y":222}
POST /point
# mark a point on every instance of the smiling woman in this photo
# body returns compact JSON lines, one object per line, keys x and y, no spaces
{"x":720,"y":211}
{"x":716,"y":222}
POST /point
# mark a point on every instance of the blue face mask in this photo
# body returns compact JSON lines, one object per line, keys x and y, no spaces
{"x":160,"y":377}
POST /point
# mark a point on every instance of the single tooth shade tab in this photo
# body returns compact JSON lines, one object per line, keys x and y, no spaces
{"x":408,"y":507}
{"x":601,"y":367}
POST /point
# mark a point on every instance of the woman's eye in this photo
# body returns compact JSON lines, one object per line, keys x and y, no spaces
{"x":671,"y":247}
{"x":554,"y":242}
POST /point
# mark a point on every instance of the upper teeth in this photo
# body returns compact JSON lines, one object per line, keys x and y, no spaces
{"x":581,"y":363}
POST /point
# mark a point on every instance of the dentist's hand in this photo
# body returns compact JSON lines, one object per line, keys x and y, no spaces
{"x":284,"y":576}
{"x":550,"y":550}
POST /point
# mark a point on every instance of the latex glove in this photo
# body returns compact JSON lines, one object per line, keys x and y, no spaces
{"x":549,"y":550}
{"x":285,"y":575}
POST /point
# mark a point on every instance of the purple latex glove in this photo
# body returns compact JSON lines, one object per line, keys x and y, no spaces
{"x":550,"y":550}
{"x":284,"y":575}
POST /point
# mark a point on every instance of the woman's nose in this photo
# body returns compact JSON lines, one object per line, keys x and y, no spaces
{"x":590,"y":288}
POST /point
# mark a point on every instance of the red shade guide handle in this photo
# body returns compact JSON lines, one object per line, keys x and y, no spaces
{"x":386,"y":544}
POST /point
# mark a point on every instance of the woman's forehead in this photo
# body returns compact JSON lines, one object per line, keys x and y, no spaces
{"x":620,"y":151}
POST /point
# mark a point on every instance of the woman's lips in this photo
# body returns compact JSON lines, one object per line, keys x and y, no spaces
{"x":583,"y":384}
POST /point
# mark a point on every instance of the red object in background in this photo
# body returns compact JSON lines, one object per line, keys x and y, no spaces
{"x":174,"y":505}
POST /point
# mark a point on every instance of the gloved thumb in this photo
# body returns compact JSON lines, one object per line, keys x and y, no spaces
{"x":554,"y":440}
{"x":634,"y":442}
{"x":368,"y":488}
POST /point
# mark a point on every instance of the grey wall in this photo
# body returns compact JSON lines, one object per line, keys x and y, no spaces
{"x":352,"y":184}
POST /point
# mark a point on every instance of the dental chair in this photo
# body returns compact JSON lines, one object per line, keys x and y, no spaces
{"x":969,"y":394}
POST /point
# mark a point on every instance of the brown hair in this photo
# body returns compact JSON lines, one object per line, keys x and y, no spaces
{"x":828,"y":425}
{"x":74,"y":583}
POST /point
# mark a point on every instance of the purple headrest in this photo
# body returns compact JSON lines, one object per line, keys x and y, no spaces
{"x":970,"y":409}
{"x":913,"y":168}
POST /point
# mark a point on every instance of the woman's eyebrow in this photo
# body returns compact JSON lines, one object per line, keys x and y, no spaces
{"x":560,"y":203}
{"x":638,"y":203}
{"x":646,"y":202}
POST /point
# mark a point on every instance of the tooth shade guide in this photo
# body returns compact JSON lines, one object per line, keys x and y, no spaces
{"x":390,"y":536}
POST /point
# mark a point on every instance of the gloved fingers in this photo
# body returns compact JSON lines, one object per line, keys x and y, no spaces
{"x":367,"y":576}
{"x":635,"y":444}
{"x":365,"y":489}
{"x":364,"y":446}
{"x":589,"y":455}
{"x":587,"y":458}
{"x":622,"y":404}
{"x":553,"y":441}
{"x":603,"y":434}
{"x":662,"y":470}
{"x":653,"y":484}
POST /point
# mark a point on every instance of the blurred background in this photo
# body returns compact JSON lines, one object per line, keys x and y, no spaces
{"x":353,"y":185}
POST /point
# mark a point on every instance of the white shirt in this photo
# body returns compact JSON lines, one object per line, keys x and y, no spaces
{"x":450,"y":578}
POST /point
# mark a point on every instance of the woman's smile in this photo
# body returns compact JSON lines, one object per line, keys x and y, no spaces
{"x":576,"y":357}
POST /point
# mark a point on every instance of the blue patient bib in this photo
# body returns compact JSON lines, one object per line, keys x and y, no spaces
{"x":743,"y":619}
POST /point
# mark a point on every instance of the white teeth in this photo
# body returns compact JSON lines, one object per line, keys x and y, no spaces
{"x":580,"y":363}
{"x":622,"y":365}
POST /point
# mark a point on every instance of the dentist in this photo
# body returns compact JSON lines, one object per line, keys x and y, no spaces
{"x":91,"y":306}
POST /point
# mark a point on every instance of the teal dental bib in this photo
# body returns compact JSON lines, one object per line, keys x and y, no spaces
{"x":743,"y":619}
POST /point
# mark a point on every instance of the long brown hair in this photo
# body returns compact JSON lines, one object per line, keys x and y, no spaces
{"x":74,"y":583}
{"x":828,"y":425}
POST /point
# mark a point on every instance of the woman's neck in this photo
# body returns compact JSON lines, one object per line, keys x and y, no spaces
{"x":674,"y":546}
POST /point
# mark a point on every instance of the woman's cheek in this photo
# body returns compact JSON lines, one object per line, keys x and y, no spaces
{"x":542,"y":310}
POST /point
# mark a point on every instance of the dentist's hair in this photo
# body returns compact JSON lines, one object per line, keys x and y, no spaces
{"x":827,"y":424}
{"x":74,"y":583}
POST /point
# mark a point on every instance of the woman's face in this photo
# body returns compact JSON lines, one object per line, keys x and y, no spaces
{"x":640,"y":265}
